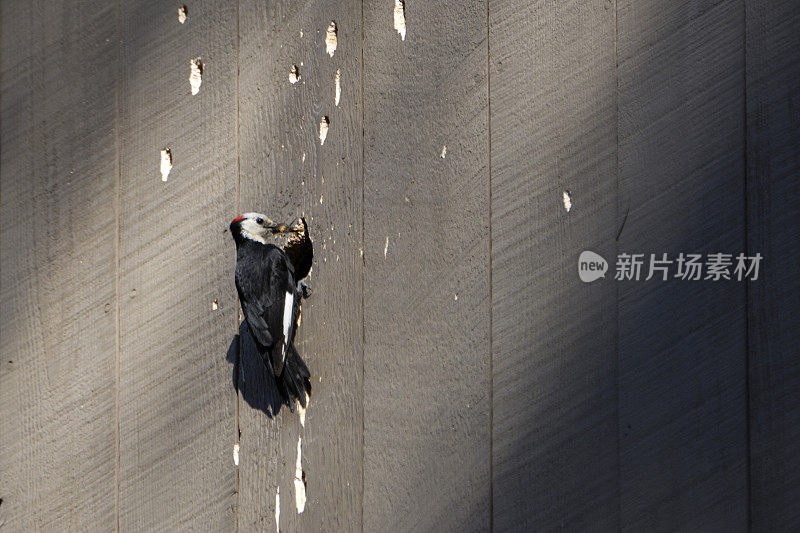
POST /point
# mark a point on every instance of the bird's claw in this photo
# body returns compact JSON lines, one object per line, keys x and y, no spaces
{"x":304,"y":289}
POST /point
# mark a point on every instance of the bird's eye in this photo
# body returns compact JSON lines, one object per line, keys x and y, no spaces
{"x":260,"y":221}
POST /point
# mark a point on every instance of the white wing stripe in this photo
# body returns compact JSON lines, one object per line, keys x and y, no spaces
{"x":288,"y":306}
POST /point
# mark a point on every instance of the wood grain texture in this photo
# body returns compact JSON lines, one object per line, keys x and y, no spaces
{"x":177,"y":424}
{"x":463,"y":377}
{"x":682,"y":358}
{"x":286,"y":172}
{"x":773,"y":164}
{"x":57,"y":324}
{"x":426,"y":300}
{"x":553,"y":130}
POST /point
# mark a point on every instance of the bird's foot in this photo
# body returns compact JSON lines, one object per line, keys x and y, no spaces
{"x":304,"y":289}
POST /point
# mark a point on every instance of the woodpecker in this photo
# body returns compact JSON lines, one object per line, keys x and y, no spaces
{"x":270,"y":299}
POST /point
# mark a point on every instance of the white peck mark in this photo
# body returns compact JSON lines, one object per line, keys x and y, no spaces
{"x":330,"y":39}
{"x":166,"y":163}
{"x":400,"y":18}
{"x":338,"y":94}
{"x":196,"y":75}
{"x":302,"y":411}
{"x":324,"y":123}
{"x":278,"y":510}
{"x":299,"y":484}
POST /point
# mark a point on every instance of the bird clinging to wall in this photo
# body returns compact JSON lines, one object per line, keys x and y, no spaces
{"x":267,"y":283}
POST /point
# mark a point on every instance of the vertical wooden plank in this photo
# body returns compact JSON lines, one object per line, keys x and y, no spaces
{"x":426,"y":300}
{"x":553,"y":131}
{"x":57,"y":327}
{"x":773,"y":137}
{"x":286,"y":172}
{"x":177,"y":424}
{"x":682,"y":343}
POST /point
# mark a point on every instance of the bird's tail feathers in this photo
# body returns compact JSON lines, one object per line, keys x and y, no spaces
{"x":294,"y":381}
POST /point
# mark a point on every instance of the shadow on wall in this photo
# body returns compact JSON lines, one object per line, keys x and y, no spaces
{"x":251,"y":377}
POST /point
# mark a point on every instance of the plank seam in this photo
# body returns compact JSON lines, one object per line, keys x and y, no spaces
{"x":491,"y":281}
{"x":748,"y":471}
{"x":363,"y":261}
{"x":616,"y":251}
{"x":236,"y":307}
{"x":117,"y":244}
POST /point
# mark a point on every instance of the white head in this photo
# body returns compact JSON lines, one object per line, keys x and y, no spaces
{"x":255,"y":227}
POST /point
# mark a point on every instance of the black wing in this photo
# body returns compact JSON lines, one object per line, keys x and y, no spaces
{"x":300,"y":252}
{"x":263,"y":278}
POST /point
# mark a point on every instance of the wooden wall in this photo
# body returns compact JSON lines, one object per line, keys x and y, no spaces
{"x":464,"y":378}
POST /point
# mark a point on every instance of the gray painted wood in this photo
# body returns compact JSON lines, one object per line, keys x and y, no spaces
{"x":615,"y":405}
{"x":426,"y":299}
{"x":176,"y":402}
{"x":682,"y":355}
{"x":773,"y":137}
{"x":286,"y":172}
{"x":553,"y":130}
{"x":57,"y":312}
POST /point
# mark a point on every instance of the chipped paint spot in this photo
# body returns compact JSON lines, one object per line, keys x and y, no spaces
{"x":567,"y":201}
{"x":400,"y":18}
{"x":324,"y":123}
{"x":294,"y":75}
{"x":302,"y":410}
{"x":166,"y":163}
{"x":338,"y":87}
{"x":386,"y":247}
{"x":331,"y":40}
{"x":214,"y":305}
{"x":278,"y":510}
{"x":196,"y":75}
{"x":299,"y":484}
{"x":182,"y":14}
{"x":236,"y":453}
{"x":444,"y":151}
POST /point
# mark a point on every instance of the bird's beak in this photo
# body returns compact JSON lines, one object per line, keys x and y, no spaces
{"x":278,"y":228}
